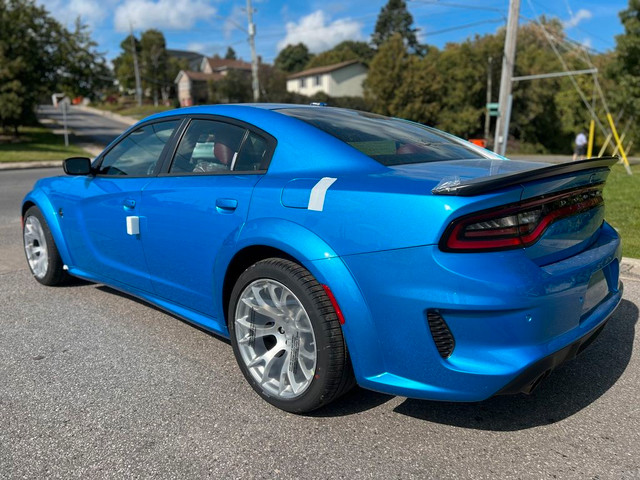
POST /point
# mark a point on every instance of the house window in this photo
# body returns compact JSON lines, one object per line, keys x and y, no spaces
{"x":303,"y":82}
{"x":318,"y":80}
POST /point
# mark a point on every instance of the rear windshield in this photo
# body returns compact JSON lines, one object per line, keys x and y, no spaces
{"x":389,"y":141}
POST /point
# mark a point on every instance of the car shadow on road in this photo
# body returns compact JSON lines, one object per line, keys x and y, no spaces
{"x":113,"y":291}
{"x":569,"y":389}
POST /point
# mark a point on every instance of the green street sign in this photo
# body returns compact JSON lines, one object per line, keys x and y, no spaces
{"x":493,"y":109}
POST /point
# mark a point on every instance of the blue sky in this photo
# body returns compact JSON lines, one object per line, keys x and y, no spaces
{"x":210,"y":26}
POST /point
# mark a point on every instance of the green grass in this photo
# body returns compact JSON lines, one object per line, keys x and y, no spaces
{"x":622,"y":207}
{"x":132,"y":110}
{"x":37,"y":144}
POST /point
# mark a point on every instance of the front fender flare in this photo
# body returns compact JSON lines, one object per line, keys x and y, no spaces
{"x":42,"y":201}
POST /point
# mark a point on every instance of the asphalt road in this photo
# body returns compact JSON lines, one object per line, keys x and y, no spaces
{"x":86,"y":126}
{"x":94,"y":384}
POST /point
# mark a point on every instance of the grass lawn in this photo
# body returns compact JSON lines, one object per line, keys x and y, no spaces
{"x":622,"y":207}
{"x":132,"y":111}
{"x":37,"y":144}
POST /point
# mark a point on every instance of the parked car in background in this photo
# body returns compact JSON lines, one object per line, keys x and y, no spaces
{"x":336,"y":247}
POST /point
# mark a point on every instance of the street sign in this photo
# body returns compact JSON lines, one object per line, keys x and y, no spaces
{"x":493,"y":109}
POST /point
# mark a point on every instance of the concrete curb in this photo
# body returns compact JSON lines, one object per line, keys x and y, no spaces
{"x":630,"y":269}
{"x":25,"y":165}
{"x":104,"y":113}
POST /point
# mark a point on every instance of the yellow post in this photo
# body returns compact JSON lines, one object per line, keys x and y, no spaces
{"x":592,"y":128}
{"x":622,"y":152}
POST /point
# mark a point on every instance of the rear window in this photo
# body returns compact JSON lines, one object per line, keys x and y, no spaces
{"x":389,"y":141}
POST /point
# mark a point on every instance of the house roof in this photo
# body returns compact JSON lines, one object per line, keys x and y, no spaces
{"x":224,"y":64}
{"x":191,"y":56}
{"x":198,"y":76}
{"x":325,"y":69}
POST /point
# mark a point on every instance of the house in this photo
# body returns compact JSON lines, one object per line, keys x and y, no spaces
{"x":342,"y":79}
{"x":193,"y":87}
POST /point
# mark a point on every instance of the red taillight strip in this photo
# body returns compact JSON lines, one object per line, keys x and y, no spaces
{"x":336,"y":307}
{"x":454,"y":240}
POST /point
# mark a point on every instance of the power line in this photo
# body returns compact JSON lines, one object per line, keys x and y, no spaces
{"x":462,"y":27}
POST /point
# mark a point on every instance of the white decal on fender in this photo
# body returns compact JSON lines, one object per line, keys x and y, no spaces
{"x":316,"y":199}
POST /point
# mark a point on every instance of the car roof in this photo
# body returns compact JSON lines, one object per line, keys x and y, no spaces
{"x":321,"y":152}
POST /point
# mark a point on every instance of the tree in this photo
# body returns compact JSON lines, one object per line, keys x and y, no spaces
{"x":234,"y":87}
{"x":86,"y":71}
{"x":154,"y":64}
{"x":38,"y":56}
{"x":395,"y":18}
{"x":293,"y":58}
{"x":231,"y":54}
{"x":626,"y":67}
{"x":387,"y":74}
{"x":347,"y":50}
{"x":123,"y":63}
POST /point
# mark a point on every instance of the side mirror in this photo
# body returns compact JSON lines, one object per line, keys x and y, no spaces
{"x":77,"y":166}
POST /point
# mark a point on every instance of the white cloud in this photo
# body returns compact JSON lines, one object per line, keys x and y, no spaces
{"x":91,"y":12}
{"x":578,"y":17}
{"x":318,"y":34}
{"x":175,"y":15}
{"x":587,"y":43}
{"x":208,"y":49}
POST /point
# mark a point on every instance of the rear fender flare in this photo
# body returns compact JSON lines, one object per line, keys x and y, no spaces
{"x":320,"y":259}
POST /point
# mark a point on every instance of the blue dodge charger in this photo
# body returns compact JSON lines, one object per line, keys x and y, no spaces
{"x":336,"y":247}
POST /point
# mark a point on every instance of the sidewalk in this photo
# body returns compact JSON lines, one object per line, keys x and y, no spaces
{"x":105,"y":113}
{"x":630,"y":269}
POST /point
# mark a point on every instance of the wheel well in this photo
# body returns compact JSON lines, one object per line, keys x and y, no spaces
{"x":26,"y":206}
{"x":243,"y":260}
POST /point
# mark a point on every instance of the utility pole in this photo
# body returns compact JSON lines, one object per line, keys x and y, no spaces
{"x":487,"y":116}
{"x":136,"y":69}
{"x":508,"y":62}
{"x":254,"y":59}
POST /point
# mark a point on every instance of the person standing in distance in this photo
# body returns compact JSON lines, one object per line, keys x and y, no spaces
{"x":581,"y":147}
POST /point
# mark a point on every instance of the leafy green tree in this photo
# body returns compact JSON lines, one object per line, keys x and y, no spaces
{"x":386,"y":76}
{"x":154,"y":63}
{"x":395,"y":18}
{"x":625,"y":70}
{"x":86,"y":72}
{"x":293,"y":58}
{"x":231,"y":54}
{"x":347,"y":50}
{"x":38,"y":56}
{"x":123,"y":63}
{"x":235,"y":87}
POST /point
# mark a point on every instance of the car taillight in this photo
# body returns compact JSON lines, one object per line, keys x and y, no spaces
{"x":517,"y":225}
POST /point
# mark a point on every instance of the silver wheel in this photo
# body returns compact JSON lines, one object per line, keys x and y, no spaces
{"x":35,"y":246}
{"x":275,"y":338}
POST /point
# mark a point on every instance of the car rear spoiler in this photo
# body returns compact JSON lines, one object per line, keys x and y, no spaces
{"x":478,"y":186}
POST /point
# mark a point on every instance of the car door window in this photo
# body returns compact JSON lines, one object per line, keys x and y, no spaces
{"x":138,"y":153}
{"x":210,"y":146}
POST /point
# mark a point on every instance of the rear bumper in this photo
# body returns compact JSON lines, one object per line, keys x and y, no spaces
{"x":511,"y":319}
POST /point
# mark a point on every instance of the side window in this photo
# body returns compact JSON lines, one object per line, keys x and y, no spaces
{"x":138,"y":153}
{"x":208,"y":146}
{"x":253,"y":154}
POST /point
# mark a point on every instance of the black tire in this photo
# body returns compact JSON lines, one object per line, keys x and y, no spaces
{"x":53,"y":273}
{"x":333,"y":375}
